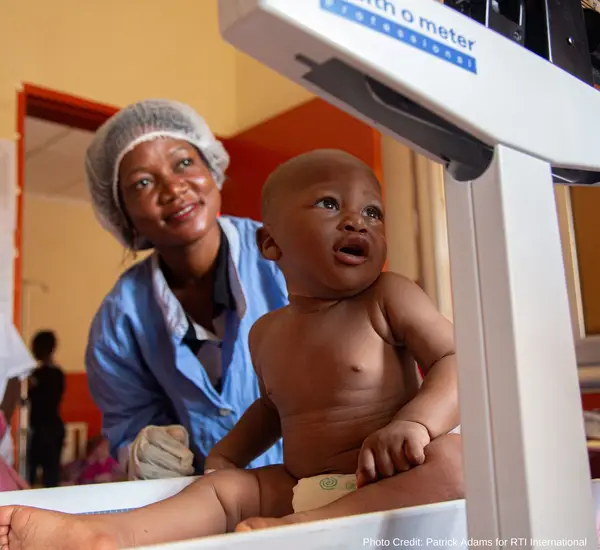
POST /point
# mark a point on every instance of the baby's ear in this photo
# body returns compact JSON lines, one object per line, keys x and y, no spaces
{"x":267,"y":245}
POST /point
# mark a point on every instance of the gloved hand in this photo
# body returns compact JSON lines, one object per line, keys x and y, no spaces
{"x":160,"y":452}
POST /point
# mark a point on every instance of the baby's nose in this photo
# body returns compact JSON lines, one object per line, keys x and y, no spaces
{"x":355,"y":223}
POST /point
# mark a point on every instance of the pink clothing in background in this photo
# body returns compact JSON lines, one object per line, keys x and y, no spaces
{"x":9,"y":479}
{"x":102,"y":470}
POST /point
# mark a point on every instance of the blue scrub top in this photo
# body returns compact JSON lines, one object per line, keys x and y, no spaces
{"x":141,"y":372}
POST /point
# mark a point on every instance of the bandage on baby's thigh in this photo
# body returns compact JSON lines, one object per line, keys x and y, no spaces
{"x":318,"y":491}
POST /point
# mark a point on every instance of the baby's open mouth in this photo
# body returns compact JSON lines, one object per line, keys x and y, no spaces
{"x":353,"y":250}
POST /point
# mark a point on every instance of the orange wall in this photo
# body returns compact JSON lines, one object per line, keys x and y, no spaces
{"x":312,"y":125}
{"x":78,"y":405}
{"x":250,"y":165}
{"x":590,"y":401}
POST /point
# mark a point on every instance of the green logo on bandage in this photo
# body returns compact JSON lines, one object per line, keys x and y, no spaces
{"x":328,"y":483}
{"x":351,"y":486}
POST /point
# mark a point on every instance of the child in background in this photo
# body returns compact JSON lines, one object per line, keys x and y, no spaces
{"x":96,"y":467}
{"x":47,"y":429}
{"x":99,"y":466}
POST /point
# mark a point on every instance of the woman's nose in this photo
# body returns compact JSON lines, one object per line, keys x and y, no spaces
{"x":172,"y":187}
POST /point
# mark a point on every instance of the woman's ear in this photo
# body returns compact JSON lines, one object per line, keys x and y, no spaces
{"x":267,"y":245}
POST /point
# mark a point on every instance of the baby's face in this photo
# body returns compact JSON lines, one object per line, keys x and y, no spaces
{"x":331,"y":233}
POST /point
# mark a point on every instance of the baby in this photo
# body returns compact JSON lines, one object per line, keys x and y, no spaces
{"x":338,"y":380}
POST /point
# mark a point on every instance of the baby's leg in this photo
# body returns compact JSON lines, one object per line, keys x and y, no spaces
{"x":214,"y":504}
{"x":438,"y":479}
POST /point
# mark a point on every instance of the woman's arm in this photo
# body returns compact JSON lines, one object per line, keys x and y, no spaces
{"x":129,"y":398}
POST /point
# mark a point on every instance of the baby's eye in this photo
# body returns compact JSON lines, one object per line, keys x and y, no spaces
{"x":328,"y":203}
{"x":373,"y":212}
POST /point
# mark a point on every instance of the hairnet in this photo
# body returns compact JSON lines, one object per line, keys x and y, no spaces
{"x":137,"y":123}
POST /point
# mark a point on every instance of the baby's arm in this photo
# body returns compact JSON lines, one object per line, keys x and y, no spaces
{"x":415,"y":322}
{"x":410,"y":319}
{"x":257,"y":430}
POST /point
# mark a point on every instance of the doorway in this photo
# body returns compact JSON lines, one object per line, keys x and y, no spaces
{"x":64,"y":260}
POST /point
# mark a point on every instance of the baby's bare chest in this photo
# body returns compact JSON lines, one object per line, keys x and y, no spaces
{"x":324,"y":362}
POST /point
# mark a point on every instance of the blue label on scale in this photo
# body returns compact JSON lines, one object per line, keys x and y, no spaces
{"x":406,"y":32}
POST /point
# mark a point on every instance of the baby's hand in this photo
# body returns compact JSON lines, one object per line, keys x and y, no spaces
{"x":391,"y":450}
{"x":217,"y":462}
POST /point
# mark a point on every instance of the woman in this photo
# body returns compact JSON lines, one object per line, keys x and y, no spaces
{"x":168,"y":349}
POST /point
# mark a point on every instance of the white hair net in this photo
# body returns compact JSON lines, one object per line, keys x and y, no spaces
{"x":142,"y":121}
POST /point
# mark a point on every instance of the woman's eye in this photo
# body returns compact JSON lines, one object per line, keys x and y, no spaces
{"x":142,"y":184}
{"x":328,"y":203}
{"x":373,"y":212}
{"x":184,"y":163}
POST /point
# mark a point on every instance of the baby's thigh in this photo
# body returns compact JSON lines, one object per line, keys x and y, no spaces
{"x":245,"y":494}
{"x":276,"y":488}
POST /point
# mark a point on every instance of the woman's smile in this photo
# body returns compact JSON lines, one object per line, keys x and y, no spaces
{"x":184,"y":214}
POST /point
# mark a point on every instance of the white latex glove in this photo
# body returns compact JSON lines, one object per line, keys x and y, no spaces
{"x":160,"y":452}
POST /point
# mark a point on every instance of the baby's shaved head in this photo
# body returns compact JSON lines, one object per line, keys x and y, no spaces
{"x":305,"y":169}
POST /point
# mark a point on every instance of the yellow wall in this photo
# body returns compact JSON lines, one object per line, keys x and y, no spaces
{"x":66,"y":250}
{"x":262,"y":92}
{"x":117,"y":52}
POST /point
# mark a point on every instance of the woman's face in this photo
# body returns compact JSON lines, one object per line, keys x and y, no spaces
{"x":168,"y":192}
